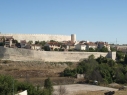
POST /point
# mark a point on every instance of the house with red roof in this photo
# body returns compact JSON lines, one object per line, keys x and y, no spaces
{"x":53,"y":45}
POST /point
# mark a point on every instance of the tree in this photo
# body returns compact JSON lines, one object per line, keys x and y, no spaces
{"x":48,"y":86}
{"x":105,"y":72}
{"x":14,"y":41}
{"x":119,"y":55}
{"x":52,"y":41}
{"x":91,"y":57}
{"x":125,"y":59}
{"x":55,"y":49}
{"x":120,"y":78}
{"x":1,"y":43}
{"x":111,"y":63}
{"x":36,"y":42}
{"x":6,"y":85}
{"x":126,"y":77}
{"x":95,"y":75}
{"x":102,"y":59}
{"x":113,"y":49}
{"x":18,"y":45}
{"x":42,"y":43}
{"x":46,"y":48}
{"x":91,"y":50}
{"x":103,"y":49}
{"x":30,"y":42}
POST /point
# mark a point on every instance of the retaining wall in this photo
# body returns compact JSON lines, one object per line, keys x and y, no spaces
{"x":17,"y":54}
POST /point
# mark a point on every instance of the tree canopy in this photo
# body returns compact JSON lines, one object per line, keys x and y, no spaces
{"x":102,"y":69}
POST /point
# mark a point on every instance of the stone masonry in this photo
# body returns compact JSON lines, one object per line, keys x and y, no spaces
{"x":18,"y":54}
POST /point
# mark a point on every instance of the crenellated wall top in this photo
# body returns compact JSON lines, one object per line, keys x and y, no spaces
{"x":36,"y":35}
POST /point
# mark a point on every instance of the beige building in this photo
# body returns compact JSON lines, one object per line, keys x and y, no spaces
{"x":81,"y":46}
{"x":23,"y":43}
{"x":122,"y":48}
{"x":85,"y":45}
{"x":36,"y":47}
{"x":91,"y":45}
{"x":1,"y":38}
{"x":8,"y":41}
{"x":68,"y":45}
{"x":53,"y":45}
{"x":103,"y":44}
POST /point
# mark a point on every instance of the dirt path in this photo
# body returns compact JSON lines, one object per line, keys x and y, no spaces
{"x":82,"y":87}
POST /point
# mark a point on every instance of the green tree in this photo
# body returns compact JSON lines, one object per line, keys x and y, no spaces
{"x":14,"y":41}
{"x":21,"y":86}
{"x":91,"y":50}
{"x":36,"y":42}
{"x":111,"y":63}
{"x":91,"y":57}
{"x":6,"y":85}
{"x":120,"y":77}
{"x":52,"y":41}
{"x":55,"y":49}
{"x":119,"y":55}
{"x":46,"y":48}
{"x":105,"y":72}
{"x":102,"y":59}
{"x":1,"y":43}
{"x":48,"y":86}
{"x":125,"y":59}
{"x":113,"y":49}
{"x":42,"y":43}
{"x":103,"y":49}
{"x":30,"y":42}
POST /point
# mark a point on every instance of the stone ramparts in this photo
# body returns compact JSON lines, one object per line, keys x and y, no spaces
{"x":38,"y":37}
{"x":17,"y":54}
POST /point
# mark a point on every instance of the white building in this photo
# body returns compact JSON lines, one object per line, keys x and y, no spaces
{"x":80,"y":46}
{"x":22,"y":93}
{"x":23,"y":43}
{"x":36,"y":47}
{"x":91,"y":45}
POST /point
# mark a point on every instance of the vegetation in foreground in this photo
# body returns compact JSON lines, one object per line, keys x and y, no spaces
{"x":102,"y":69}
{"x":8,"y":86}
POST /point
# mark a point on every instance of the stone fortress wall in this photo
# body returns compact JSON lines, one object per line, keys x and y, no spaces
{"x":38,"y":37}
{"x":18,"y":54}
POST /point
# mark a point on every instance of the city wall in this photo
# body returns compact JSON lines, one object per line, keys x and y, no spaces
{"x":38,"y":37}
{"x":17,"y":54}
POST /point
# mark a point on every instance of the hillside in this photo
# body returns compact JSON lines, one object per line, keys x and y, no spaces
{"x":35,"y":72}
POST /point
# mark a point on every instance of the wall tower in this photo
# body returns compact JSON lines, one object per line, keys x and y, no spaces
{"x":73,"y":38}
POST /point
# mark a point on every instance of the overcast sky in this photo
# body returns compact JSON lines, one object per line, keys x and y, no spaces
{"x":93,"y":20}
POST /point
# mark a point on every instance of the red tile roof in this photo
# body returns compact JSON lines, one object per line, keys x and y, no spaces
{"x":22,"y":41}
{"x":91,"y":44}
{"x":54,"y":43}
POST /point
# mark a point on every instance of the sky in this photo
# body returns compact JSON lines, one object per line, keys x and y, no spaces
{"x":93,"y":20}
